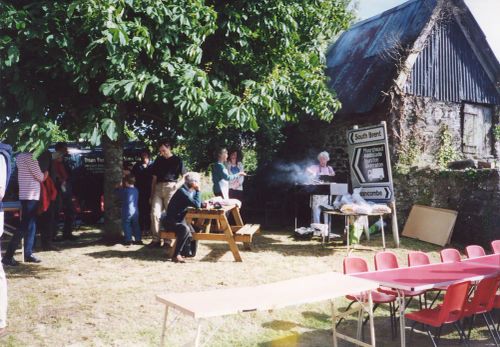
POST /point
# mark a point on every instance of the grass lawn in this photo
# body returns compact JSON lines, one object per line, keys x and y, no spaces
{"x":89,"y":294}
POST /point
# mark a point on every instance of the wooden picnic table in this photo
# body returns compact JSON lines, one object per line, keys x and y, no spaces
{"x":214,"y":226}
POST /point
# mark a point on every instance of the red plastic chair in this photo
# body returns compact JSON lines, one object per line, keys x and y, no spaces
{"x":495,"y":246}
{"x":356,"y":265}
{"x":482,"y":303}
{"x":417,"y":258}
{"x":450,"y":312}
{"x":450,"y":255}
{"x":388,"y":260}
{"x":474,"y":251}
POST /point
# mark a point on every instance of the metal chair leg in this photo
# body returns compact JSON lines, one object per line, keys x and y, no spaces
{"x":490,"y":329}
{"x":412,"y":330}
{"x":427,"y":329}
{"x":347,"y":309}
{"x":490,"y":316}
{"x":435,"y":298}
{"x":470,"y":326}
{"x":438,"y":334}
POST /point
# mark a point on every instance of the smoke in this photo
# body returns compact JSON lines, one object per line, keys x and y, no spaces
{"x":284,"y":173}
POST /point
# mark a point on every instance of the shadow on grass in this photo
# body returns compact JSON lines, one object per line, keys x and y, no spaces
{"x":323,"y":337}
{"x":29,"y":270}
{"x":143,"y":253}
{"x":281,"y":325}
{"x":271,"y":242}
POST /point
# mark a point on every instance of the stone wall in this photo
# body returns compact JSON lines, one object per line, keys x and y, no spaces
{"x":475,"y":194}
{"x":417,"y":128}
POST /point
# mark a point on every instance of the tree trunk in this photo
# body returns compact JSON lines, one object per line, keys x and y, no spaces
{"x":113,"y":164}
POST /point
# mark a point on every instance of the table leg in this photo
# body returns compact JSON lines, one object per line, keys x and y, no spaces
{"x":382,"y":229}
{"x":325,"y":238}
{"x":346,"y":226}
{"x":402,"y":323}
{"x":237,"y":216}
{"x":198,"y":334}
{"x":334,"y":323}
{"x":359,"y":328}
{"x":165,"y":316}
{"x":230,"y":238}
{"x":370,"y":313}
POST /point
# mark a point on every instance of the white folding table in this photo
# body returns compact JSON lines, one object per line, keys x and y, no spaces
{"x":267,"y":297}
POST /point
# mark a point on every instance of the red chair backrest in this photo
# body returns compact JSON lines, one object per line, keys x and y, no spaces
{"x":418,"y":258}
{"x":474,"y":251}
{"x":386,"y":260}
{"x":355,"y":265}
{"x":495,"y":246}
{"x":484,"y":296}
{"x":450,"y":255}
{"x":453,"y":302}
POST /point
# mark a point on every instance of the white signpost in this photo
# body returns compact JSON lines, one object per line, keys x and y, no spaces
{"x":370,"y":166}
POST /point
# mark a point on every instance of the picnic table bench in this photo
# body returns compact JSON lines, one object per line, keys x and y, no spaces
{"x":214,"y":226}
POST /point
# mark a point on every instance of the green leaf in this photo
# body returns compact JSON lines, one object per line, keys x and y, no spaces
{"x":95,"y":138}
{"x":108,"y":125}
{"x":71,"y":9}
{"x":12,"y":56}
{"x":108,"y":88}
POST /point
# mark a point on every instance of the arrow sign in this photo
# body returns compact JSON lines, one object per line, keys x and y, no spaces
{"x":370,"y":164}
{"x":366,"y":135}
{"x":376,"y":193}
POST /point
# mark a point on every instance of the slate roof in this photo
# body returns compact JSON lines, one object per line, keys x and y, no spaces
{"x":361,"y":64}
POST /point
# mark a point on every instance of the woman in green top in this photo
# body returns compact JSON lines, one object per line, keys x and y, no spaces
{"x":220,"y":175}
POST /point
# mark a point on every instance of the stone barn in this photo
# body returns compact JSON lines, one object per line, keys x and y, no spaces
{"x":426,"y":69}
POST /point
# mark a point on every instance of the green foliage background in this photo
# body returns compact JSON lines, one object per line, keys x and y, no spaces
{"x":207,"y":73}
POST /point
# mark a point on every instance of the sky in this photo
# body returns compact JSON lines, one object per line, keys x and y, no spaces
{"x":486,"y":13}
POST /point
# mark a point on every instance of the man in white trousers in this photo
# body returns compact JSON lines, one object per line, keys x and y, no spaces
{"x":5,"y":153}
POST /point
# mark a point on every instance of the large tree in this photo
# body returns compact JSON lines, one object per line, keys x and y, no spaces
{"x":182,"y":68}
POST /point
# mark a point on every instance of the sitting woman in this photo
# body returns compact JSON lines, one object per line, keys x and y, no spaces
{"x":235,"y":166}
{"x":188,"y":195}
{"x":221,"y":177}
{"x":321,"y":169}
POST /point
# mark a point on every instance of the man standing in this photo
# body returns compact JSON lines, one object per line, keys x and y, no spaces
{"x":5,"y":153}
{"x":46,"y":219}
{"x":186,"y":196}
{"x":166,"y":171}
{"x":64,"y":190}
{"x":29,"y":177}
{"x":143,"y":178}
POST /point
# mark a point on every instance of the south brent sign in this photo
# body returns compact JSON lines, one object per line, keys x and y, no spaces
{"x":367,"y":135}
{"x":370,"y":162}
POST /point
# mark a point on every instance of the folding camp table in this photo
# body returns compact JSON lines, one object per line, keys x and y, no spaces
{"x":427,"y":277}
{"x":267,"y":297}
{"x":348,"y":221}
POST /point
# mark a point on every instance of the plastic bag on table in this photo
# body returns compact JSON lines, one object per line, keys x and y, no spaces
{"x":320,"y":229}
{"x":303,"y":233}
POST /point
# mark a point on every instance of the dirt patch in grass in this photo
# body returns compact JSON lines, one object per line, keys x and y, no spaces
{"x":89,"y":294}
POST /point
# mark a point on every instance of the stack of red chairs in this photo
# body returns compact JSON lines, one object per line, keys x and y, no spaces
{"x":457,"y":305}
